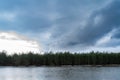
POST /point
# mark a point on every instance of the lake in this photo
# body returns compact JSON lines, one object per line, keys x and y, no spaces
{"x":60,"y":73}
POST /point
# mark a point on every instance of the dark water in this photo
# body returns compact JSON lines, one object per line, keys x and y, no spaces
{"x":60,"y":73}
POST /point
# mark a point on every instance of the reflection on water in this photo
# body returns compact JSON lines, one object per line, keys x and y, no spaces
{"x":60,"y":73}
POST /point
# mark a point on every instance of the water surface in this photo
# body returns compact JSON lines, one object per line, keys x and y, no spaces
{"x":60,"y":73}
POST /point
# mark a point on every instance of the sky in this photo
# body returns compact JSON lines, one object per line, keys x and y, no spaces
{"x":62,"y":25}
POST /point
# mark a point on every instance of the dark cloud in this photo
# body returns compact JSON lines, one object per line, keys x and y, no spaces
{"x":66,"y":24}
{"x":35,"y":16}
{"x":116,"y":34}
{"x":100,"y":23}
{"x":33,"y":24}
{"x":31,"y":16}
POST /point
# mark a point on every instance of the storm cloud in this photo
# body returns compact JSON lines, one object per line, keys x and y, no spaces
{"x":64,"y":24}
{"x":99,"y":24}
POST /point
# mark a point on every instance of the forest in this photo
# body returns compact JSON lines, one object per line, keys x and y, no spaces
{"x":59,"y":59}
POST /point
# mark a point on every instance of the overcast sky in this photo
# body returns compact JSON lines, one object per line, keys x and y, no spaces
{"x":64,"y":25}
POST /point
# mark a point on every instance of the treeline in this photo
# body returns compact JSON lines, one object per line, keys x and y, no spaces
{"x":58,"y":59}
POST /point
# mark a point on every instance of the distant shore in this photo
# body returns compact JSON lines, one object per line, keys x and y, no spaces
{"x":60,"y":59}
{"x":112,"y":65}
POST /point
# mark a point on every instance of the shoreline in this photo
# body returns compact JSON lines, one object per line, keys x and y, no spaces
{"x":111,"y":65}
